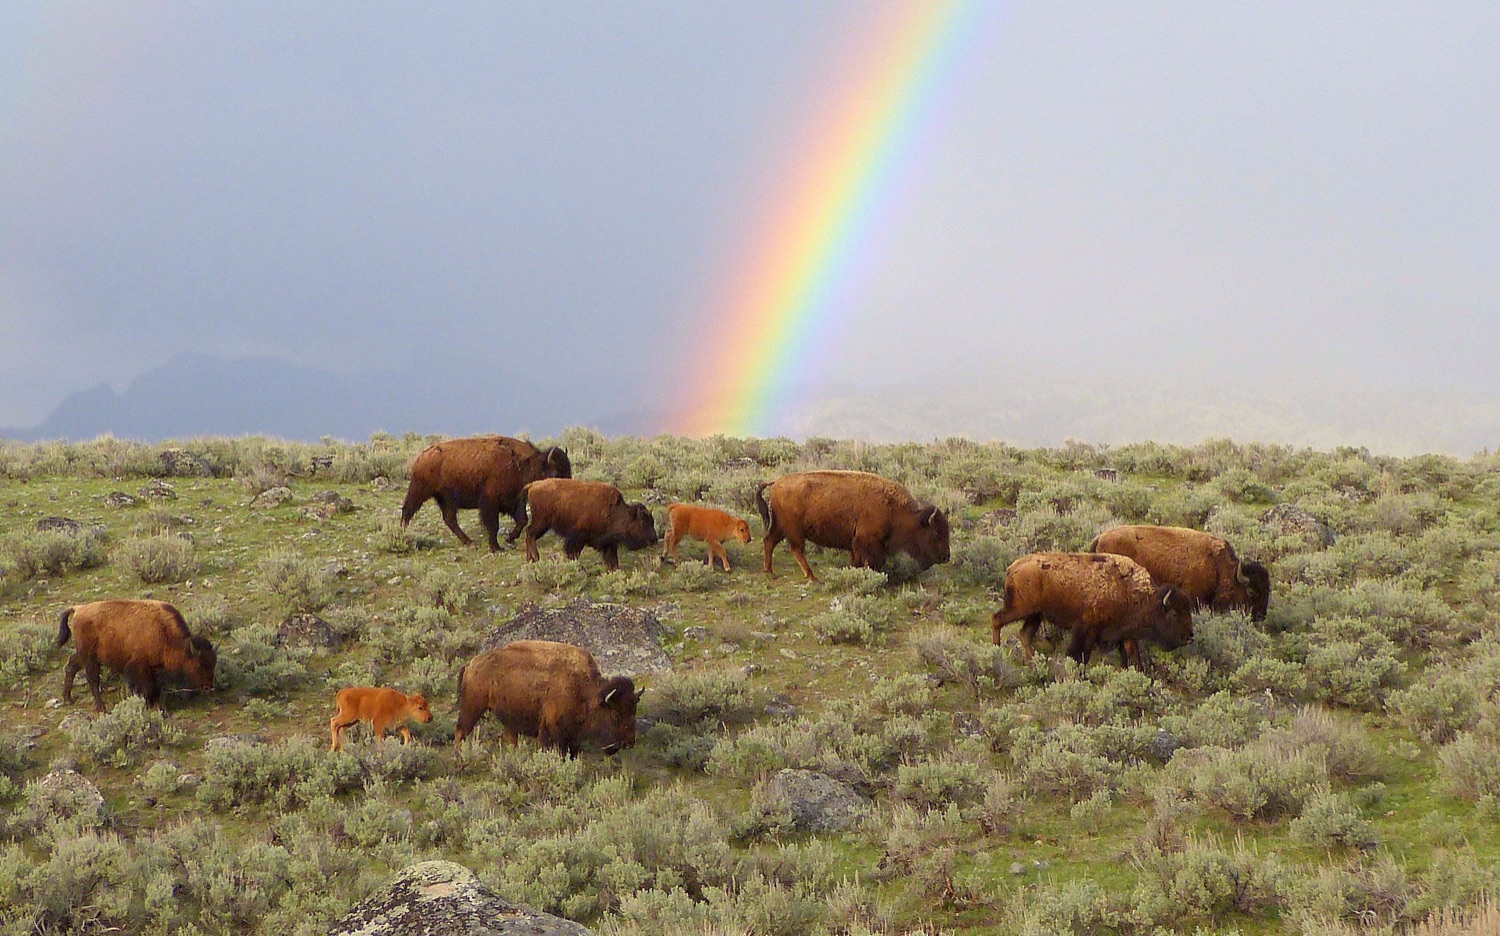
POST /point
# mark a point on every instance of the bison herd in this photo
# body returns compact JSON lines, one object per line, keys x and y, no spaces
{"x":1133,"y":583}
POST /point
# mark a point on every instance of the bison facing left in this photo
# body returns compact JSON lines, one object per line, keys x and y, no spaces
{"x":143,"y":640}
{"x":586,"y":513}
{"x":550,"y":691}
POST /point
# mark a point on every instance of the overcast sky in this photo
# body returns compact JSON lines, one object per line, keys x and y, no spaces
{"x":1247,"y":193}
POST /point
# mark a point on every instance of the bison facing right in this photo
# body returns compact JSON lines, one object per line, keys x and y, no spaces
{"x":1203,"y":565}
{"x":550,"y":691}
{"x":1103,"y":600}
{"x":586,"y":513}
{"x":484,"y":473}
{"x":144,"y":640}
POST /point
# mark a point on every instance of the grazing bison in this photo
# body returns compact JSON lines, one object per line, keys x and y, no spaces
{"x":143,"y":640}
{"x":864,"y":513}
{"x":549,"y":691}
{"x":1203,"y":565}
{"x":485,"y":473}
{"x":708,"y":524}
{"x":586,"y":513}
{"x":1103,"y":600}
{"x":378,"y":708}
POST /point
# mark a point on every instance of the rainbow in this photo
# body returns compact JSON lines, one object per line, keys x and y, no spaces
{"x":808,"y":256}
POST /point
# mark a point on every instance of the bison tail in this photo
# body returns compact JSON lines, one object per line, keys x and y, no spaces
{"x":463,"y":669}
{"x":763,"y":508}
{"x":63,"y":630}
{"x":1094,"y":544}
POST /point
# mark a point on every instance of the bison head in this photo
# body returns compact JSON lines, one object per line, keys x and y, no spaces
{"x":1254,"y":583}
{"x":419,"y":710}
{"x":555,"y":463}
{"x":611,"y":722}
{"x":1174,"y":622}
{"x":928,"y":542}
{"x":742,"y":531}
{"x":202,"y":660}
{"x":633,"y":525}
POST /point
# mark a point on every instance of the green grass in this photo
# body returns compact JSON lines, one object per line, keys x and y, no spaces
{"x":517,"y":821}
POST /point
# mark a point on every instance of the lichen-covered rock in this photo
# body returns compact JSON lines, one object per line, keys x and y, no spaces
{"x":67,"y":525}
{"x":440,"y":898}
{"x":1290,"y":520}
{"x":178,"y":463}
{"x":158,"y":489}
{"x":272,"y":497}
{"x":816,"y":802}
{"x":119,"y":499}
{"x":66,"y":794}
{"x":625,"y":641}
{"x":306,"y":630}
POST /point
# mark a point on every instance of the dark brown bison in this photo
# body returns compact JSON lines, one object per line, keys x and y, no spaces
{"x":586,"y":513}
{"x":864,"y":513}
{"x":484,"y":473}
{"x":143,"y":640}
{"x":549,"y":691}
{"x":1203,"y":565}
{"x":1103,"y":600}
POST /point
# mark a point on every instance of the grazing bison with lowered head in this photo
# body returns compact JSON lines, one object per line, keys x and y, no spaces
{"x":1203,"y":565}
{"x":379,"y":708}
{"x":708,"y":524}
{"x":484,"y":473}
{"x":143,"y":640}
{"x":586,"y":513}
{"x":549,"y":691}
{"x":864,"y":513}
{"x":1103,"y":600}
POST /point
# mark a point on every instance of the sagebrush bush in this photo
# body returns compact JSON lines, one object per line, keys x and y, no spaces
{"x":1332,"y":819}
{"x":25,"y":648}
{"x":300,"y":584}
{"x":160,"y":559}
{"x":1471,"y":762}
{"x":704,"y":699}
{"x":954,"y":656}
{"x":123,"y":736}
{"x":287,"y":774}
{"x":555,"y":575}
{"x":29,"y":555}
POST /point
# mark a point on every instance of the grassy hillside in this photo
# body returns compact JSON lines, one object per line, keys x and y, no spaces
{"x":1333,"y":770}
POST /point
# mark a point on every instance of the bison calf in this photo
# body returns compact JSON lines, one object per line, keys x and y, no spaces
{"x":143,"y":640}
{"x":864,"y":513}
{"x":549,"y":691}
{"x":1203,"y":565}
{"x":378,"y":708}
{"x":708,"y":524}
{"x":484,"y":473}
{"x":1102,"y":600}
{"x":586,"y":513}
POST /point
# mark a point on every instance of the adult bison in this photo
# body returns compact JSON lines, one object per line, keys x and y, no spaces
{"x":864,"y":513}
{"x":484,"y":473}
{"x":550,"y":691}
{"x":144,"y":640}
{"x":1203,"y":565}
{"x":586,"y":513}
{"x":1103,"y":600}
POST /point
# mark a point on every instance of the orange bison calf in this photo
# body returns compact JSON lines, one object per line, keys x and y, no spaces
{"x":549,"y":691}
{"x":1103,"y":600}
{"x":708,"y":524}
{"x":143,"y":640}
{"x":485,"y":473}
{"x":1203,"y":565}
{"x":586,"y":513}
{"x":378,"y":708}
{"x":864,"y":513}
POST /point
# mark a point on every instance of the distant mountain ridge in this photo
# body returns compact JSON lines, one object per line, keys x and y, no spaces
{"x":197,"y":395}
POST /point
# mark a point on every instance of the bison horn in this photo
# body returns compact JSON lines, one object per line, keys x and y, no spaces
{"x":1239,"y":573}
{"x":1166,"y":599}
{"x":610,"y":694}
{"x":930,"y":516}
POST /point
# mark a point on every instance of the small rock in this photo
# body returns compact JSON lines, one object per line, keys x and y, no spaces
{"x":817,"y":802}
{"x":781,"y":707}
{"x":1164,"y":745}
{"x":789,"y":653}
{"x":1290,"y":520}
{"x":243,"y":739}
{"x":118,"y":499}
{"x":66,"y":525}
{"x":762,"y":635}
{"x":1017,"y":868}
{"x":67,"y":794}
{"x":306,"y":630}
{"x":159,"y":490}
{"x":695,"y":633}
{"x":272,"y":497}
{"x":320,"y":463}
{"x":380,"y":483}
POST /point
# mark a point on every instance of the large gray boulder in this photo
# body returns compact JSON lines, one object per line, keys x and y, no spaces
{"x":816,"y":802}
{"x":1290,"y":520}
{"x":440,"y":898}
{"x":626,"y":641}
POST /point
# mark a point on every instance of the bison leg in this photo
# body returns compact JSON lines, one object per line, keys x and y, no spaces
{"x":670,"y":541}
{"x":532,"y":534}
{"x":466,"y":721}
{"x":489,"y":518}
{"x":1028,"y":635}
{"x":795,"y":545}
{"x":378,"y":725}
{"x":405,"y":735}
{"x":519,"y":516}
{"x":1080,"y":648}
{"x":70,"y":672}
{"x":1130,"y":653}
{"x":147,"y":686}
{"x":91,"y":673}
{"x":866,"y":553}
{"x":450,"y":517}
{"x":716,"y":548}
{"x":573,"y":546}
{"x":336,"y":726}
{"x":611,"y":555}
{"x":773,"y":536}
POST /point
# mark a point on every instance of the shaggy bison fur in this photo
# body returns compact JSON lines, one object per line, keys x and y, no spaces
{"x":484,"y":473}
{"x":1102,"y":600}
{"x":864,"y":513}
{"x":143,"y":640}
{"x":549,"y":691}
{"x":708,"y":524}
{"x":1203,"y":565}
{"x":586,"y":513}
{"x":378,"y":708}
